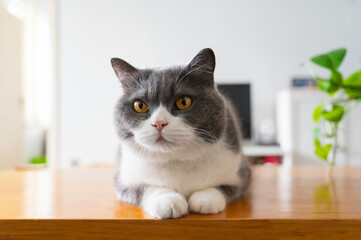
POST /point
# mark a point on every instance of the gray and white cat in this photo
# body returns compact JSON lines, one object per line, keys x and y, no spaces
{"x":180,"y":140}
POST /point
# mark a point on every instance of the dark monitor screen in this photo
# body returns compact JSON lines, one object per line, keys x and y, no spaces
{"x":239,"y":95}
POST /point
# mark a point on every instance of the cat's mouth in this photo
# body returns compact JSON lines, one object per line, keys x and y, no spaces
{"x":162,"y":144}
{"x":161,"y":140}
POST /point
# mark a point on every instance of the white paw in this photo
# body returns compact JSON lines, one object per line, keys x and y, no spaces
{"x":208,"y":201}
{"x":167,"y":205}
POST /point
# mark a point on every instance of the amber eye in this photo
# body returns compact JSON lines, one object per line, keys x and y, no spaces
{"x":183,"y":102}
{"x":140,"y":106}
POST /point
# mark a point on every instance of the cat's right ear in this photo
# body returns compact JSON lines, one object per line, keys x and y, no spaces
{"x":122,"y":68}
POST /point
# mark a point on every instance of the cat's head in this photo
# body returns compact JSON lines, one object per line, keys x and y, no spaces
{"x":163,"y":110}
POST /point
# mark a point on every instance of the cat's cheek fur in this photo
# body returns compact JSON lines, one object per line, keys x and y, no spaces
{"x":164,"y":203}
{"x":207,"y":201}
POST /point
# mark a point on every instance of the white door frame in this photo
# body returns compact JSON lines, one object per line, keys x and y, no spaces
{"x":40,"y":75}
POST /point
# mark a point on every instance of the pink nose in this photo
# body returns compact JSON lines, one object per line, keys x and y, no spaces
{"x":159,"y":125}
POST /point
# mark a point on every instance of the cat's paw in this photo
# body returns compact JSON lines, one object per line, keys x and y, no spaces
{"x":208,"y":201}
{"x":167,"y":205}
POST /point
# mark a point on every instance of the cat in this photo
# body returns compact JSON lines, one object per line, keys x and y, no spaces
{"x":180,"y":140}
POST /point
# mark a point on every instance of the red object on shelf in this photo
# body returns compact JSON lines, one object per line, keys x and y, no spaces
{"x":272,"y":160}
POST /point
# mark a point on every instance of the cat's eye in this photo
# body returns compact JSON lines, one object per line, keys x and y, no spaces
{"x":140,"y":106}
{"x":183,"y":102}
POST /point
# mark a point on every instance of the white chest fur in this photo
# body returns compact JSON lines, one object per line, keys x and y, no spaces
{"x":211,"y":165}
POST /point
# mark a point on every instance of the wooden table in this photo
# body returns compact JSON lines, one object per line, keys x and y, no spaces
{"x":283,"y":203}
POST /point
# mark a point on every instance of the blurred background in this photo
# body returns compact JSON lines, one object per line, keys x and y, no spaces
{"x":58,"y":90}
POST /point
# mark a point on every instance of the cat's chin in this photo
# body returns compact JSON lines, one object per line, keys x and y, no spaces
{"x":161,"y":146}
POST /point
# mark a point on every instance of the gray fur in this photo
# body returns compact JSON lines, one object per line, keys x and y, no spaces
{"x":210,"y":112}
{"x":133,"y":194}
{"x":232,"y":132}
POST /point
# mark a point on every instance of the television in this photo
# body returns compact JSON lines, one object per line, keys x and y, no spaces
{"x":239,"y":95}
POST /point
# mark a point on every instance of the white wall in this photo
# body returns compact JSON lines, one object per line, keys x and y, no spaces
{"x":259,"y":41}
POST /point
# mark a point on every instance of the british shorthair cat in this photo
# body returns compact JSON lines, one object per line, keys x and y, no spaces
{"x":180,"y":141}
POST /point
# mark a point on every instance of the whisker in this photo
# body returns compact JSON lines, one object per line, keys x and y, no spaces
{"x":208,"y":161}
{"x":214,"y":138}
{"x":176,"y":80}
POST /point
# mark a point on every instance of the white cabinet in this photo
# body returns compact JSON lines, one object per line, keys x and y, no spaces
{"x":295,"y":128}
{"x":295,"y":125}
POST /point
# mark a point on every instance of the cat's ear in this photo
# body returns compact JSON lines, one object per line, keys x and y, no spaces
{"x":122,"y":68}
{"x":204,"y":61}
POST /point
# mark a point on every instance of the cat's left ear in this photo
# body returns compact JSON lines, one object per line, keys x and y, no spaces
{"x":204,"y":61}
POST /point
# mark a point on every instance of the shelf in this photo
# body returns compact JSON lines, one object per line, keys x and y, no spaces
{"x":250,"y":150}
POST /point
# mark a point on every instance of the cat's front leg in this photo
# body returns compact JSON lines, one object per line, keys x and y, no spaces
{"x":207,"y":201}
{"x":164,"y":203}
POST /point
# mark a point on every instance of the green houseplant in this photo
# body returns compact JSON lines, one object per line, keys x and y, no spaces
{"x":344,"y":95}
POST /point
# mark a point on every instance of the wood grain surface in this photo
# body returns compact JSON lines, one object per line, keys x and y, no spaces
{"x":283,"y":203}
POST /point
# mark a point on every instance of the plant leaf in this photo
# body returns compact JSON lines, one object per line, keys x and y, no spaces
{"x":336,"y":77}
{"x":354,"y":80}
{"x":322,"y":152}
{"x":327,"y":149}
{"x":353,"y":93}
{"x":335,"y":115}
{"x":352,"y":85}
{"x":331,"y":60}
{"x":38,"y":160}
{"x":323,"y":60}
{"x":327,"y":86}
{"x":317,"y":113}
{"x":337,"y":57}
{"x":317,"y":142}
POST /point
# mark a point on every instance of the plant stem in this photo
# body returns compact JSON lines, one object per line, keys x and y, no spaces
{"x":332,"y":163}
{"x":311,"y":71}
